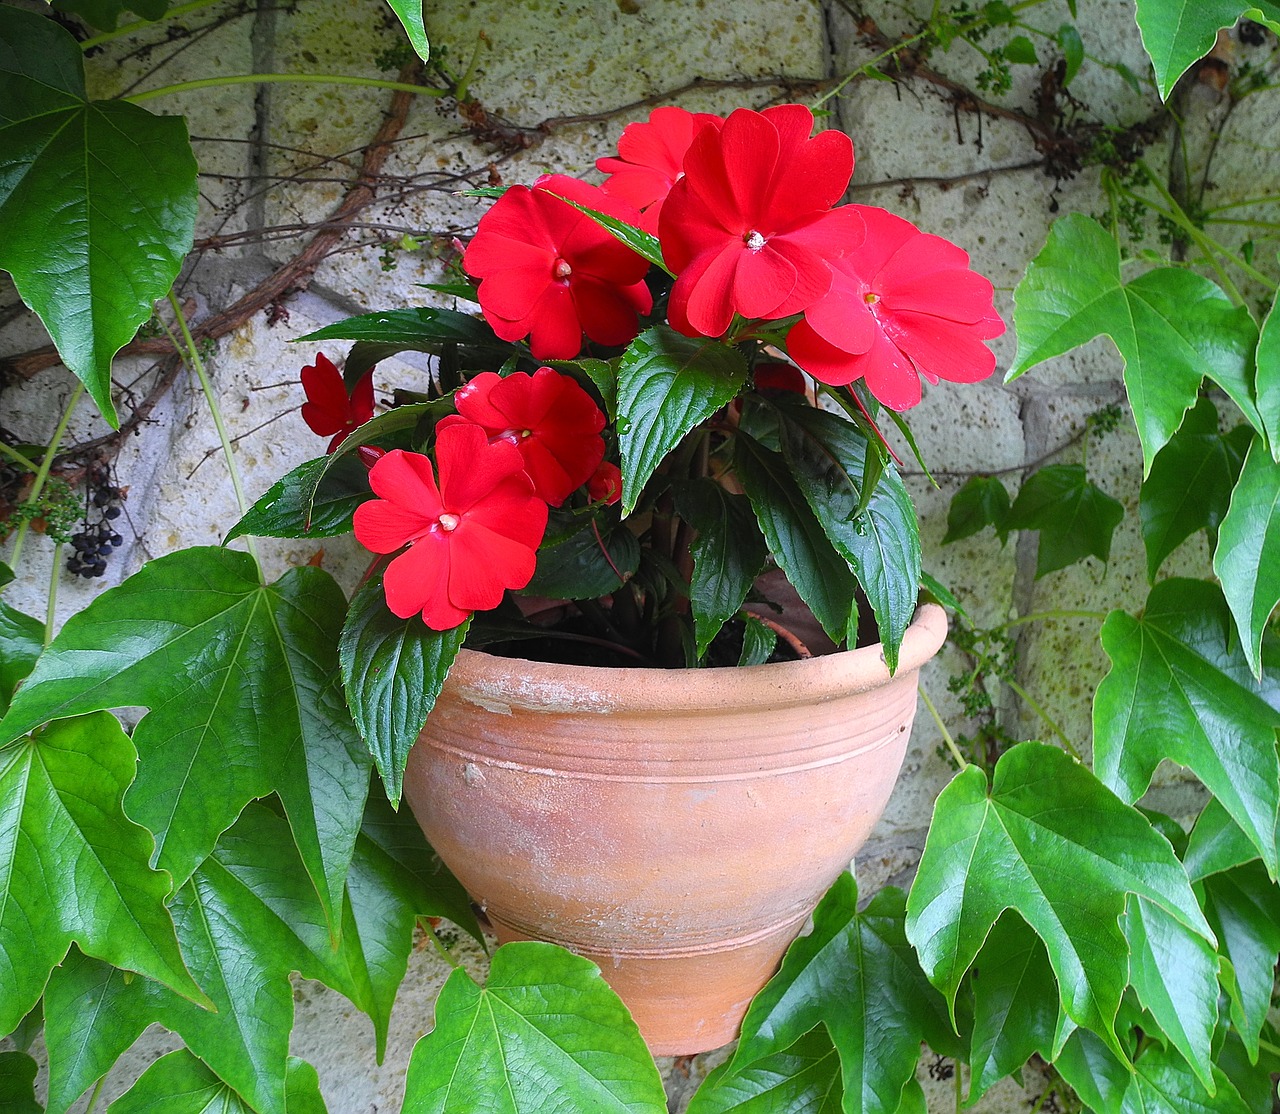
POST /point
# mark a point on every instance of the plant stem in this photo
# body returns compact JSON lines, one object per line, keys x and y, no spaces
{"x":460,"y":87}
{"x":1056,"y":613}
{"x":37,"y":485}
{"x":16,"y":457}
{"x":959,"y":1087}
{"x":54,"y":574}
{"x":835,"y":90}
{"x":1267,"y":1046}
{"x":960,"y":759}
{"x":278,"y":78}
{"x":445,"y":953}
{"x":191,"y":357}
{"x":93,"y":1098}
{"x":139,"y":24}
{"x":1026,"y":698}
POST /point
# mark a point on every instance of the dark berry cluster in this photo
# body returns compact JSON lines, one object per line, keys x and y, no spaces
{"x":98,"y":540}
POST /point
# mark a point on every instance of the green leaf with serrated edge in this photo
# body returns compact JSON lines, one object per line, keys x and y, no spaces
{"x":409,"y":13}
{"x":465,"y":290}
{"x":856,"y":974}
{"x":1072,"y":47}
{"x":667,"y":384}
{"x":17,"y":1084}
{"x":1075,"y":518}
{"x":1268,"y":378}
{"x":1021,"y":51}
{"x":21,"y":641}
{"x":1050,"y":841}
{"x":1162,"y":1083}
{"x":1171,"y":326}
{"x":1189,"y":486}
{"x":758,"y":641}
{"x":802,"y":1079}
{"x":97,"y":199}
{"x":312,"y":501}
{"x":594,"y":560}
{"x":1015,"y":1004}
{"x":728,"y":554}
{"x":1243,"y":906}
{"x":982,"y":502}
{"x":74,"y":867}
{"x":392,"y":672}
{"x":241,"y":680}
{"x":1174,"y":972}
{"x":1216,"y":843}
{"x":1177,"y":33}
{"x":934,"y":587}
{"x":544,"y":1033}
{"x":1247,"y":558}
{"x":644,"y":244}
{"x":882,"y":544}
{"x":104,"y":14}
{"x":1179,"y":688}
{"x":419,"y":326}
{"x":796,"y":539}
{"x":179,"y":1083}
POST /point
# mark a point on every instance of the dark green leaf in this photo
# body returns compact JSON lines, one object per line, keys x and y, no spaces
{"x":1177,"y":33}
{"x":73,"y":867}
{"x":728,"y":554}
{"x":179,"y":1083}
{"x":464,"y":290}
{"x":30,"y":1027}
{"x":857,"y":975}
{"x":392,"y":671}
{"x":596,"y":559}
{"x":409,"y":13}
{"x":1216,"y":843}
{"x":1268,"y":379}
{"x":104,"y":14}
{"x":1093,"y":1071}
{"x":758,"y":641}
{"x":6,"y":574}
{"x":1189,"y":486}
{"x":1163,"y":1084}
{"x":544,"y":1033}
{"x":1021,"y":51}
{"x":1075,"y":518}
{"x":97,"y":199}
{"x":1247,"y":558}
{"x":982,"y":502}
{"x":667,"y":384}
{"x":1072,"y":47}
{"x":1172,"y":327}
{"x":1179,"y":688}
{"x":17,"y":1084}
{"x":644,"y":244}
{"x":796,"y":539}
{"x":242,"y":682}
{"x":882,"y":545}
{"x":421,"y":328}
{"x":1252,"y":1080}
{"x":312,"y":501}
{"x":1051,"y":842}
{"x":940,"y":592}
{"x":803,"y":1079}
{"x":21,"y":640}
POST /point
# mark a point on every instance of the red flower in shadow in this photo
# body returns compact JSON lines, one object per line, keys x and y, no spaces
{"x":329,"y":411}
{"x":469,"y":538}
{"x":605,"y":485}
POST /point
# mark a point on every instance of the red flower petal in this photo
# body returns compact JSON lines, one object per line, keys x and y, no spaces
{"x":485,"y":563}
{"x":941,"y":349}
{"x":418,"y":582}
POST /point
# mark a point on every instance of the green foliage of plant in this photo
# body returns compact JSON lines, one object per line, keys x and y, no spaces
{"x":1178,"y":33}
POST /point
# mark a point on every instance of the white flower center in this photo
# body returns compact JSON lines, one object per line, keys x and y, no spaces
{"x":561,"y":270}
{"x":448,"y":522}
{"x":754,"y":240}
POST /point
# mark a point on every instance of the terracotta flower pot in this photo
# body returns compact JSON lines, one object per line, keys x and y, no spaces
{"x":678,"y":826}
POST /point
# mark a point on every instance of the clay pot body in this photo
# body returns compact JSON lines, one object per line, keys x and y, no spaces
{"x":677,"y":827}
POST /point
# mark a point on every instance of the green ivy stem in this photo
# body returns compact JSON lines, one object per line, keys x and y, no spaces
{"x":282,"y":78}
{"x":1267,"y":1046}
{"x":959,"y":1087}
{"x":93,"y":1098}
{"x":445,"y":953}
{"x":16,"y":457}
{"x":1027,"y":699}
{"x":37,"y":485}
{"x":959,"y":758}
{"x":54,"y":575}
{"x":1242,"y":204}
{"x":835,"y":90}
{"x":191,"y":357}
{"x":139,"y":24}
{"x":460,"y":86}
{"x":1040,"y":616}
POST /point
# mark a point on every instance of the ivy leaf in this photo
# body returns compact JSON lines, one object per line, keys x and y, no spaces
{"x":1247,"y":558}
{"x":1216,"y":843}
{"x":1162,"y":1084}
{"x":1179,"y":688}
{"x":312,"y":501}
{"x":857,"y":975}
{"x":1050,"y":841}
{"x":21,"y":640}
{"x":667,"y":384}
{"x":73,"y":867}
{"x":1177,"y":33}
{"x":728,"y":554}
{"x":179,"y":1083}
{"x":1172,"y":327}
{"x":97,"y":198}
{"x":1075,"y":518}
{"x":1072,"y":47}
{"x":1189,"y":486}
{"x":104,"y":14}
{"x":982,"y":502}
{"x":18,"y":1084}
{"x":1094,"y":1073}
{"x":802,"y":1079}
{"x":392,"y":671}
{"x":544,"y":1033}
{"x":241,"y":679}
{"x":796,"y":539}
{"x":881,"y":542}
{"x":409,"y":13}
{"x":1021,"y":51}
{"x":1268,"y":381}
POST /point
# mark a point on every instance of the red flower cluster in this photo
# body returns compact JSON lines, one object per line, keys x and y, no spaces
{"x":329,"y":411}
{"x":515,"y":445}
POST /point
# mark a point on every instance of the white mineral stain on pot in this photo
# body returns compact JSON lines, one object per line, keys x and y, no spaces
{"x":472,"y":774}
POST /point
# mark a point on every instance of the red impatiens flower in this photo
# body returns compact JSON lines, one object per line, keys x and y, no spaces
{"x":605,"y":486}
{"x":550,"y":273}
{"x":470,"y":538}
{"x":651,"y":159}
{"x":749,"y":227}
{"x":552,"y":421}
{"x":329,"y":410}
{"x":902,"y":305}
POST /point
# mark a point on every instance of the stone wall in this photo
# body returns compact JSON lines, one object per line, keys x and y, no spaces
{"x":554,"y":83}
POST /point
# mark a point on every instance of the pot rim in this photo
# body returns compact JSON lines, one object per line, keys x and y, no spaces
{"x":479,"y":676}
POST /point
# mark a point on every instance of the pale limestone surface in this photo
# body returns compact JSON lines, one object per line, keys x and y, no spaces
{"x":566,"y":75}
